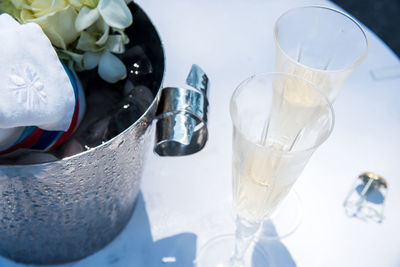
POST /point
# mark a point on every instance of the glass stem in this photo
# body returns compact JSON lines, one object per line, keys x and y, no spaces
{"x":244,"y":235}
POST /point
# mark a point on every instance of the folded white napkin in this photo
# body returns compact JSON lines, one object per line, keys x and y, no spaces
{"x":35,"y":90}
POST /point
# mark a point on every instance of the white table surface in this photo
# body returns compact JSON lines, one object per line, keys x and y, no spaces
{"x":186,"y":201}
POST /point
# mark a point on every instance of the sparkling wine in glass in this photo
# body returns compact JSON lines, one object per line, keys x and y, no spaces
{"x":278,"y":122}
{"x":319,"y":44}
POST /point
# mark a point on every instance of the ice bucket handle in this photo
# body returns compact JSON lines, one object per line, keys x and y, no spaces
{"x":181,"y":127}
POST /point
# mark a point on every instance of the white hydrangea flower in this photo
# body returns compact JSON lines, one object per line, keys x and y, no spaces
{"x":110,"y":67}
{"x":96,"y":22}
{"x":115,"y":13}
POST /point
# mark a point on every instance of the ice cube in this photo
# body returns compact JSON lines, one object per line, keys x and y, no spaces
{"x":95,"y":133}
{"x":135,"y":103}
{"x":138,"y":64}
{"x":113,"y":108}
{"x":141,"y":96}
{"x":70,"y":148}
{"x":124,"y":117}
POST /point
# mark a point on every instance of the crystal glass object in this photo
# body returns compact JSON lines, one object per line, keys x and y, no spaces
{"x":279,"y":120}
{"x":320,"y":44}
{"x":366,"y":199}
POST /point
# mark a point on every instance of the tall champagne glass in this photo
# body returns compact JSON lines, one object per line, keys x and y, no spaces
{"x":320,"y":44}
{"x":279,"y":120}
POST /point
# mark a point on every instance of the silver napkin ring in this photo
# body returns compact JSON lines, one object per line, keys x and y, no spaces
{"x":181,"y":127}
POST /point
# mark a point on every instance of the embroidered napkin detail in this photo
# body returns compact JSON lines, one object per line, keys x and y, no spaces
{"x":34,"y":88}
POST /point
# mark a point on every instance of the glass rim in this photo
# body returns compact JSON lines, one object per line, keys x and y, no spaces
{"x":346,"y":16}
{"x":242,"y":85}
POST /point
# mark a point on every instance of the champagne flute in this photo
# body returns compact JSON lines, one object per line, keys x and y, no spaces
{"x":324,"y":46}
{"x":320,"y":44}
{"x":279,"y":120}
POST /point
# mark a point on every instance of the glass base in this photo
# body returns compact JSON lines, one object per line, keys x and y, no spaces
{"x":218,"y":251}
{"x":285,"y":220}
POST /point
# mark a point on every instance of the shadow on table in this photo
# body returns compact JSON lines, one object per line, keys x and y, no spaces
{"x":278,"y":254}
{"x":177,"y":250}
{"x":135,"y":246}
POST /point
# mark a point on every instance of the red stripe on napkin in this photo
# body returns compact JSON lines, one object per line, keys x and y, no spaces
{"x":70,"y":130}
{"x":27,"y":142}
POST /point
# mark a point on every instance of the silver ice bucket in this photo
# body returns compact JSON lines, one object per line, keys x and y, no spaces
{"x":65,"y":210}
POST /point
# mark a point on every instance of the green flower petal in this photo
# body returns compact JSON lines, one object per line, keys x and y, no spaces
{"x":125,"y":38}
{"x":59,"y":26}
{"x":25,"y":16}
{"x":77,"y":4}
{"x":91,"y":3}
{"x":17,"y":3}
{"x":9,"y":8}
{"x":101,"y":26}
{"x":76,"y":58}
{"x":86,"y":18}
{"x":115,"y":44}
{"x":87,"y":42}
{"x":44,"y":7}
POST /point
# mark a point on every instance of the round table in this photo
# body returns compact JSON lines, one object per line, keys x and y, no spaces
{"x":185,"y":201}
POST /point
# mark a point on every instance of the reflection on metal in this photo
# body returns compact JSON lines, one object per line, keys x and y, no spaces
{"x":168,"y":259}
{"x":366,"y":199}
{"x":182,"y":117}
{"x":198,"y":79}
